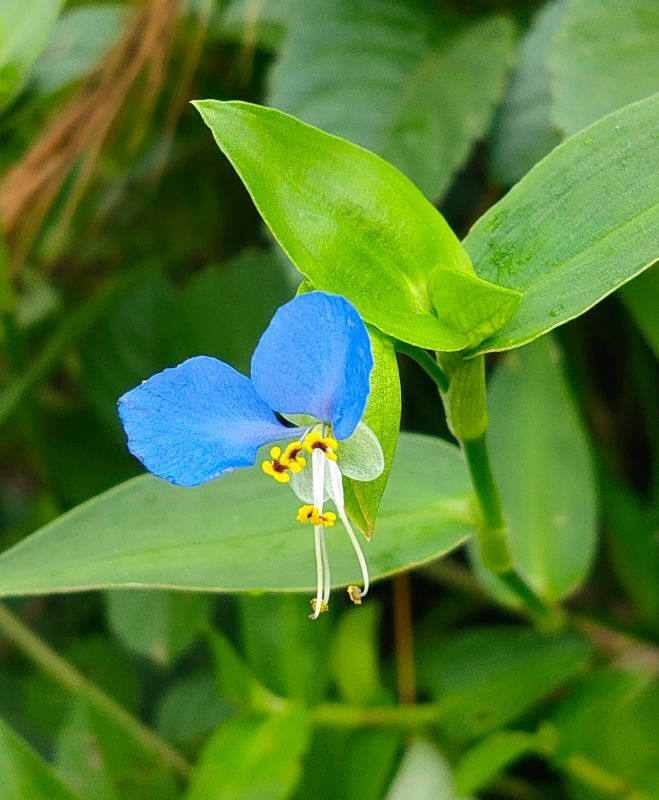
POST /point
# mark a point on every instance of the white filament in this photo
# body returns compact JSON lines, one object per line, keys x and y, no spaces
{"x":323,"y":580}
{"x":337,"y":492}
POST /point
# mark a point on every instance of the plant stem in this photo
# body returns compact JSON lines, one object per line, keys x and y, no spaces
{"x":336,"y":715}
{"x":403,"y":639}
{"x":493,"y":544}
{"x":68,"y":676}
{"x":426,"y":362}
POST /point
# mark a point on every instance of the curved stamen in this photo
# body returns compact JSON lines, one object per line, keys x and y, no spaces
{"x":327,"y":581}
{"x":354,"y":592}
{"x":317,"y":604}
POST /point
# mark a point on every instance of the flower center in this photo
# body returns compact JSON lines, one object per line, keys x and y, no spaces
{"x":324,"y":468}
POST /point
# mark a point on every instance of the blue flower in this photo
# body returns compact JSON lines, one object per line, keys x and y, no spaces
{"x":311,"y":368}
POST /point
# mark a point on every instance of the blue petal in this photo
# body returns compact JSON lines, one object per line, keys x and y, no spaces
{"x":197,"y":421}
{"x":315,"y":358}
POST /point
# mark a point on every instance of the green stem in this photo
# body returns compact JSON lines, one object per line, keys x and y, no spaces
{"x":493,"y":543}
{"x":335,"y":715}
{"x":426,"y":362}
{"x":68,"y":676}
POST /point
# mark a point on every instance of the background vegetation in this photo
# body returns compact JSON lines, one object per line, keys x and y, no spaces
{"x":130,"y":244}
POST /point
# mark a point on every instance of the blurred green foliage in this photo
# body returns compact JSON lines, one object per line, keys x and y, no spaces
{"x":129,"y":244}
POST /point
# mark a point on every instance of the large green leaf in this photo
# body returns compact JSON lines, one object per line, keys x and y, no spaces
{"x":349,"y":221}
{"x":523,"y":133}
{"x":606,"y":55}
{"x":239,"y":533}
{"x":395,"y":76}
{"x":24,"y":29}
{"x":579,"y":225}
{"x":542,"y":462}
{"x":24,"y":775}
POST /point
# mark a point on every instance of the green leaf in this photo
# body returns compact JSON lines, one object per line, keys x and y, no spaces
{"x":190,"y":709}
{"x":156,"y":327}
{"x":631,"y":529}
{"x":542,"y":463}
{"x":577,"y":227}
{"x":523,"y":133}
{"x":382,"y":415}
{"x":478,"y":766}
{"x":251,"y":757}
{"x":239,"y":533}
{"x":69,"y":331}
{"x":333,"y":206}
{"x":110,"y":668}
{"x":24,"y":775}
{"x":609,"y":726}
{"x":606,"y":55}
{"x":24,"y":29}
{"x":640,"y":297}
{"x":342,"y":764}
{"x":288,"y":655}
{"x":236,"y":681}
{"x":424,"y":774}
{"x":418,"y":89}
{"x":159,"y":625}
{"x":355,"y":659}
{"x":470,"y":305}
{"x":80,"y":38}
{"x":95,"y":758}
{"x":487,"y":677}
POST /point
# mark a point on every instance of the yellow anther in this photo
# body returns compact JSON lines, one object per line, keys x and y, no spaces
{"x":324,"y":606}
{"x":312,"y":515}
{"x":306,"y":513}
{"x":355,"y":594}
{"x":314,"y":441}
{"x":273,"y":468}
{"x":283,"y":464}
{"x":292,"y":458}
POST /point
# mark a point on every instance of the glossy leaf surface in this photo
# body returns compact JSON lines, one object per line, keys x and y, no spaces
{"x":332,"y":205}
{"x":228,"y":534}
{"x":583,"y":222}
